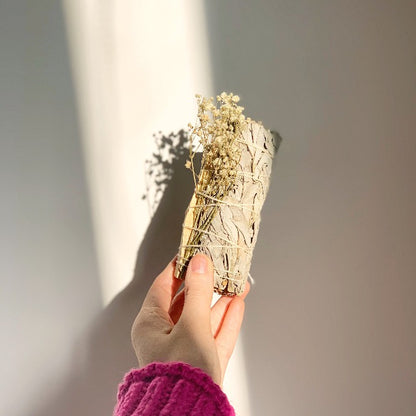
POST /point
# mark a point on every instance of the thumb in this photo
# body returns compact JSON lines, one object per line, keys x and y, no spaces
{"x":199,"y":286}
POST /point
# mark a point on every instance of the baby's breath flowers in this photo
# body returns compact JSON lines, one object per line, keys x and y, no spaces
{"x":219,"y":128}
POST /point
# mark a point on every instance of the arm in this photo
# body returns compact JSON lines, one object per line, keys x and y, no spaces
{"x":193,"y":340}
{"x":174,"y":389}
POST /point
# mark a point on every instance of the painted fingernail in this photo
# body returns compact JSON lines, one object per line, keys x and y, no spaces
{"x":199,"y":264}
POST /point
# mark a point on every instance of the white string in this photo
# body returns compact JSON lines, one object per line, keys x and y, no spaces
{"x":214,"y":205}
{"x":229,"y":203}
{"x":210,"y":233}
{"x":220,"y":272}
{"x":217,"y":246}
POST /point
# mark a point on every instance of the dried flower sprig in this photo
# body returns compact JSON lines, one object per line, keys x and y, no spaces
{"x":219,"y":128}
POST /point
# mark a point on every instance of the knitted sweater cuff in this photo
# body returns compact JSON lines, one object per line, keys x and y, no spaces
{"x":170,"y":389}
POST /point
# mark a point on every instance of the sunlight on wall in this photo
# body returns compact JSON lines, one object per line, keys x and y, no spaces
{"x":137,"y":66}
{"x":136,"y":71}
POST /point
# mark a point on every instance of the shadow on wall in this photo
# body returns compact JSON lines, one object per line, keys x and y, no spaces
{"x":104,"y":353}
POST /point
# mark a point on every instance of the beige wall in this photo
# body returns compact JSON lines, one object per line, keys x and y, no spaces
{"x":330,"y":327}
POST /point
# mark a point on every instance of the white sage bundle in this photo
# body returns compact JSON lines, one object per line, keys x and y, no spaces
{"x":223,"y":217}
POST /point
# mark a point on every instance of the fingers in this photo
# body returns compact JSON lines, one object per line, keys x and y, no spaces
{"x":199,"y":286}
{"x":229,"y":330}
{"x":219,"y":310}
{"x":218,"y":313}
{"x":176,"y":308}
{"x":163,"y":288}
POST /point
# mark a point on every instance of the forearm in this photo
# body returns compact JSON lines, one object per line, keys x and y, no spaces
{"x":170,"y":389}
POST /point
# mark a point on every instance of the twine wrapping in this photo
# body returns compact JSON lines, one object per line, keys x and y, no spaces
{"x":231,"y":235}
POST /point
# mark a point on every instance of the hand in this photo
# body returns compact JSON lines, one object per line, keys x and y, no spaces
{"x":182,"y":326}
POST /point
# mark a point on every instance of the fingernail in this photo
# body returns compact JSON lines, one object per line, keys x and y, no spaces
{"x":199,"y":264}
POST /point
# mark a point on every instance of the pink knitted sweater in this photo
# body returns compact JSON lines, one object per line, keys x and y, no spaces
{"x":170,"y":389}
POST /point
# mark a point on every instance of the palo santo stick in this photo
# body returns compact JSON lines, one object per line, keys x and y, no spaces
{"x":223,"y":217}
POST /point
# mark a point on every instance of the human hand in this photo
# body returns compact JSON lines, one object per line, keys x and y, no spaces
{"x":182,"y":326}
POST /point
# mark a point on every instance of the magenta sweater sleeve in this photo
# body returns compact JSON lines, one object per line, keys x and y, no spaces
{"x":170,"y":389}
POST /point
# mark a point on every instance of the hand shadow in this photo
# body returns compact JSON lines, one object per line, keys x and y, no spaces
{"x":103,"y":354}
